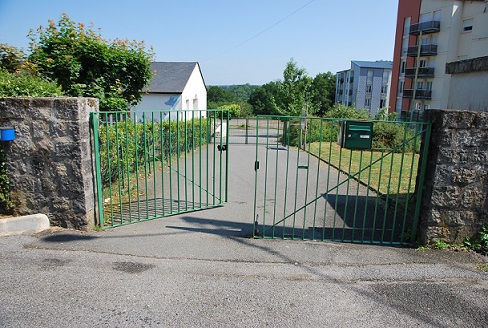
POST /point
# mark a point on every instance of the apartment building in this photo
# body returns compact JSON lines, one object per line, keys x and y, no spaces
{"x":366,"y":85}
{"x":435,"y":40}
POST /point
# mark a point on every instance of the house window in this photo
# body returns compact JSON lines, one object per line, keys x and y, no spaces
{"x":370,"y":77}
{"x":468,"y":25}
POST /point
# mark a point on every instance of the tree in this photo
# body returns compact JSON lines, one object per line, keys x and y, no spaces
{"x":85,"y":64}
{"x":11,"y":58}
{"x":295,"y":91}
{"x":18,"y":76}
{"x":217,"y":96}
{"x":323,"y":92}
{"x":263,"y":99}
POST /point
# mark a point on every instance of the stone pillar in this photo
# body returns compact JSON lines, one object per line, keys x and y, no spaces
{"x":455,"y":198}
{"x":50,"y":162}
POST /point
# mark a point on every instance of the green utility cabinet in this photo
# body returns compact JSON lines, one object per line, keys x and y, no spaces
{"x":355,"y":134}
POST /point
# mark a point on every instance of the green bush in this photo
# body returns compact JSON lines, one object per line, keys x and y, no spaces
{"x":127,"y":146}
{"x":387,"y":133}
{"x":26,"y":85}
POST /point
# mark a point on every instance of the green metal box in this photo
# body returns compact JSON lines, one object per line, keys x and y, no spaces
{"x":355,"y":134}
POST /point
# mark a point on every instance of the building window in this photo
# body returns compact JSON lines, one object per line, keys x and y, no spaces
{"x":369,"y":88}
{"x":367,"y":103}
{"x":420,"y":85}
{"x":428,"y":85}
{"x":384,"y":89}
{"x":468,"y":25}
{"x":400,"y":87}
{"x":426,"y":106}
{"x":370,"y":77}
{"x":402,"y":67}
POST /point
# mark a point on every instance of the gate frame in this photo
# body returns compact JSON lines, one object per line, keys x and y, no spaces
{"x":220,"y":144}
{"x":422,"y":132}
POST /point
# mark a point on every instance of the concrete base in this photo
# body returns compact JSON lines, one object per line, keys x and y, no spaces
{"x":24,"y":225}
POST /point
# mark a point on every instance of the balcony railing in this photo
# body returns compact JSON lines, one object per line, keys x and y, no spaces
{"x":422,"y":73}
{"x":425,"y":28}
{"x":419,"y":94}
{"x":425,"y":50}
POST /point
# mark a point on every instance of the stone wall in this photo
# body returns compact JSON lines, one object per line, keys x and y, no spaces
{"x":50,"y":162}
{"x":455,"y":199}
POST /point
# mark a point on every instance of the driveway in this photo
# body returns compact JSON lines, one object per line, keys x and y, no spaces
{"x":202,"y":270}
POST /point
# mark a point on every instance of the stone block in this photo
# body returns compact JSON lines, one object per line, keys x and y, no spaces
{"x":464,"y":175}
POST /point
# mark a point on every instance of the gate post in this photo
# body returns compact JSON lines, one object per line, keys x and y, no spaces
{"x":50,"y":162}
{"x":455,"y":198}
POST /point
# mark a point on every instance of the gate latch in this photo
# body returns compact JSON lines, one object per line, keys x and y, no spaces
{"x":256,"y":165}
{"x":222,"y":148}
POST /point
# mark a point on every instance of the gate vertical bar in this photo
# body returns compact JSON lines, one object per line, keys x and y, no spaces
{"x":98,"y":171}
{"x":421,"y":178}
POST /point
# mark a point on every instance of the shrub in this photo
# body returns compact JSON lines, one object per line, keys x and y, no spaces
{"x":26,"y":85}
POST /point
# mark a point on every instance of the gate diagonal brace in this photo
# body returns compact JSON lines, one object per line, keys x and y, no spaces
{"x":353,"y":176}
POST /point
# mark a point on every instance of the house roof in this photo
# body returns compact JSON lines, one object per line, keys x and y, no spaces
{"x":170,"y":77}
{"x":374,"y":64}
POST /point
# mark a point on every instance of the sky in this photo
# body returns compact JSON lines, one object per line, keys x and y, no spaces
{"x":234,"y":41}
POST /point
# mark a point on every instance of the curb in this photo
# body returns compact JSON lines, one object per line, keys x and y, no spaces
{"x":27,"y":224}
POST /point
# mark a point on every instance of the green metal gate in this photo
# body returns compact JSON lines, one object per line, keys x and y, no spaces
{"x":309,"y":187}
{"x":152,"y":164}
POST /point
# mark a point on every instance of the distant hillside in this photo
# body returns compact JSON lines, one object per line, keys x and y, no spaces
{"x":241,"y":91}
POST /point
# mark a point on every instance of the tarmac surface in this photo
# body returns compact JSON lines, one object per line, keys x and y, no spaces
{"x":202,"y":269}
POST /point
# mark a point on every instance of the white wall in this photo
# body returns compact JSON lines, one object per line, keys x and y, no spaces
{"x":468,"y":91}
{"x":194,"y":96}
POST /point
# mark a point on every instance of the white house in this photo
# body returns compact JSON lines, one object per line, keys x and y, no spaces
{"x":174,"y":86}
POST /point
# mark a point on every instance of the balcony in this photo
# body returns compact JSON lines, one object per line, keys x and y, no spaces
{"x":424,"y":72}
{"x":419,"y":94}
{"x":425,"y":28}
{"x":425,"y":50}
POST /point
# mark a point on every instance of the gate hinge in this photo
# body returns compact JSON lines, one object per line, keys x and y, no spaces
{"x":256,"y":165}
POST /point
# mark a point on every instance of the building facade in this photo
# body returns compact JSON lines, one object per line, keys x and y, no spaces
{"x":429,"y":35}
{"x":174,"y":86}
{"x":366,"y":85}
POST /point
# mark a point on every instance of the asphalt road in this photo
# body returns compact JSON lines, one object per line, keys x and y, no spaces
{"x":202,"y":270}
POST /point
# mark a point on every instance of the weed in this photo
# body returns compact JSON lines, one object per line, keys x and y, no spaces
{"x":479,"y":242}
{"x":482,"y":267}
{"x":440,"y":244}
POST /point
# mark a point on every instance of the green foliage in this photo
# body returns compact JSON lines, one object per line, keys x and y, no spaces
{"x":11,"y":58}
{"x":478,"y":242}
{"x":6,"y":205}
{"x":26,"y":85}
{"x":241,"y":91}
{"x":129,"y":145}
{"x":323,"y":93}
{"x":84,"y":64}
{"x":294,"y":93}
{"x":263,"y":99}
{"x":440,"y":244}
{"x":217,"y":96}
{"x":234,"y":109}
{"x":386,"y":134}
